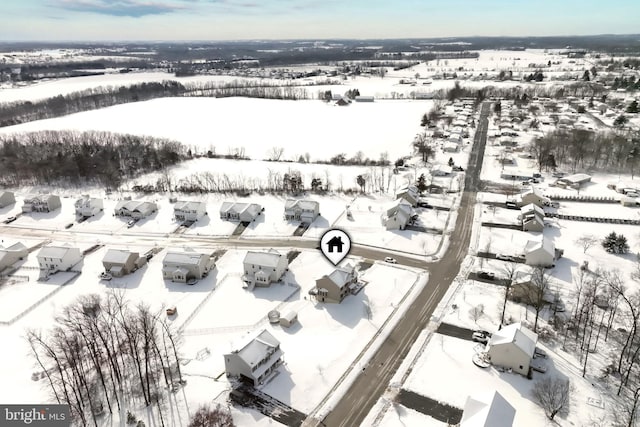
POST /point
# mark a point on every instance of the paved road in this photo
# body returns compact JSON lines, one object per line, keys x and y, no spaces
{"x":373,"y":381}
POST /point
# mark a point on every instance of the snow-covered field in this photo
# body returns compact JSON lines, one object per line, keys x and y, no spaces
{"x":258,"y":125}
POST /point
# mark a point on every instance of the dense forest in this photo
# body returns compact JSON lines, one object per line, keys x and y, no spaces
{"x":75,"y":158}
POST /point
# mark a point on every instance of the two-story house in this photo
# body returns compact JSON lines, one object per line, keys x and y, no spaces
{"x":256,"y":360}
{"x":135,"y":209}
{"x":186,"y":266}
{"x":41,"y":203}
{"x":118,"y":262}
{"x":264,"y":268}
{"x":241,"y":212}
{"x":189,"y":210}
{"x":305,"y":211}
{"x":88,"y":206}
{"x":52,"y":259}
{"x":334,"y":287}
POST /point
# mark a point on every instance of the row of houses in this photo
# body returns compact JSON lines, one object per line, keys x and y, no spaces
{"x":302,"y":210}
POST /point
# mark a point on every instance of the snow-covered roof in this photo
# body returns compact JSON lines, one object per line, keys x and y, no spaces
{"x":57,"y":252}
{"x":341,"y":275}
{"x":116,"y":256}
{"x":531,"y":207}
{"x":263,"y":259}
{"x":488,"y":409}
{"x":577,"y":178}
{"x":258,"y":348}
{"x":86,"y":201}
{"x":39,"y":198}
{"x":542,"y":244}
{"x":136,"y":205}
{"x":517,"y":334}
{"x":252,"y":208}
{"x":188,"y":205}
{"x":183,"y":258}
{"x":16,"y":247}
{"x":302,"y":204}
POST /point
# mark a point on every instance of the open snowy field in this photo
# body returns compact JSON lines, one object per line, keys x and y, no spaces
{"x":258,"y":125}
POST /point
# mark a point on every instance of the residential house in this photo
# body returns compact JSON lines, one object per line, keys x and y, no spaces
{"x":255,"y":361}
{"x":135,"y":209}
{"x":12,"y":254}
{"x":264,"y":268}
{"x":515,"y":174}
{"x":334,"y":287}
{"x":241,"y":212}
{"x":6,"y":198}
{"x":450,"y":147}
{"x":513,"y":347}
{"x":532,"y":217}
{"x":411,"y":194}
{"x":441,"y":170}
{"x":57,"y":258}
{"x":88,"y":206}
{"x":118,"y":262}
{"x":540,"y":253}
{"x":487,"y":409}
{"x":575,"y":181}
{"x":41,"y":203}
{"x":533,"y":195}
{"x":189,"y":210}
{"x":305,"y":211}
{"x":398,"y":216}
{"x":186,"y":266}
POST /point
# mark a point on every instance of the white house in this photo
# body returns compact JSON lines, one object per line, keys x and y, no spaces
{"x":513,"y":347}
{"x":12,"y":254}
{"x":186,"y":266}
{"x":264,"y":268}
{"x":57,"y":258}
{"x":533,"y":195}
{"x":189,"y":210}
{"x":487,"y":409}
{"x":441,"y":170}
{"x":135,"y":208}
{"x":450,"y":147}
{"x":397,"y":216}
{"x":540,"y":253}
{"x":576,"y":180}
{"x":88,"y":206}
{"x":41,"y":203}
{"x":6,"y":198}
{"x":255,"y":360}
{"x":410,"y":194}
{"x":305,"y":211}
{"x":241,"y":212}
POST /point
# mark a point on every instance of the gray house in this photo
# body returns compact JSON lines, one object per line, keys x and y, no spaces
{"x":411,"y":194}
{"x":186,"y":266}
{"x":12,"y":254}
{"x":6,"y":198}
{"x":255,"y":361}
{"x":88,"y":206}
{"x":189,"y":210}
{"x":336,"y":286}
{"x":241,"y":212}
{"x":135,"y":209}
{"x":264,"y":268}
{"x":397,"y":216}
{"x":305,"y":211}
{"x":118,"y":262}
{"x":41,"y":203}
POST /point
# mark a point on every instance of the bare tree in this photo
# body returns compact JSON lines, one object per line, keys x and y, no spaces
{"x":537,"y":291}
{"x":552,"y":393}
{"x":206,"y":416}
{"x":586,"y":241}
{"x":510,"y":269}
{"x":275,"y":153}
{"x":476,"y":312}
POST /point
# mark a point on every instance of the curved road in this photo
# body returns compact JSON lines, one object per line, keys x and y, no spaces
{"x":373,"y":381}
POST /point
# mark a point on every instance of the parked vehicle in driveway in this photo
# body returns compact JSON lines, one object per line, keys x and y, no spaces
{"x":481,"y":336}
{"x":511,"y":205}
{"x":131,"y":223}
{"x":486,"y":275}
{"x":10,"y":220}
{"x":504,"y":257}
{"x":390,"y":260}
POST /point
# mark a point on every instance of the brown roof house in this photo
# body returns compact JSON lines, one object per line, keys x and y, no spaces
{"x":334,"y":287}
{"x":41,"y":203}
{"x":263,"y":268}
{"x":513,"y":347}
{"x":118,"y":262}
{"x":255,"y":361}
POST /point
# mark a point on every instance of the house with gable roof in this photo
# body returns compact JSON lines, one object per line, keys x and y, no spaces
{"x":305,"y":211}
{"x":186,"y":266}
{"x":241,"y":212}
{"x":264,"y":268}
{"x":12,"y":254}
{"x":487,"y":409}
{"x":6,"y":198}
{"x":540,"y":253}
{"x":256,"y":360}
{"x":397,"y":216}
{"x":185,"y":210}
{"x":513,"y":347}
{"x":334,"y":287}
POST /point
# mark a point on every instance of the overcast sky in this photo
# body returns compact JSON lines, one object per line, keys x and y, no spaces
{"x":296,"y":19}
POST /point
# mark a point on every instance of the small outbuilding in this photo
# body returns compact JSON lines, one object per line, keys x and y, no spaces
{"x":289,"y":319}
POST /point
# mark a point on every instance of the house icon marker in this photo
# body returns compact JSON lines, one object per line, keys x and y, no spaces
{"x":335,"y":243}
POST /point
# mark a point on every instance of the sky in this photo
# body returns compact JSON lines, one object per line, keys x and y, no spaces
{"x":173,"y":20}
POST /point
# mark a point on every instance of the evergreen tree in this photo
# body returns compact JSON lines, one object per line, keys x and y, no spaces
{"x":421,"y":184}
{"x":610,"y":242}
{"x":620,"y":121}
{"x":633,"y":107}
{"x":622,"y":247}
{"x":425,"y":120}
{"x":585,"y":76}
{"x":451,"y":162}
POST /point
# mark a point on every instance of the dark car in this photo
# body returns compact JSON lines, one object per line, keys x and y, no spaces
{"x":10,"y":220}
{"x":424,"y":205}
{"x":486,"y":275}
{"x":511,"y":205}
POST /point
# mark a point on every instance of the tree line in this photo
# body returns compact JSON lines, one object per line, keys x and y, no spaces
{"x":103,"y":354}
{"x":75,"y":158}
